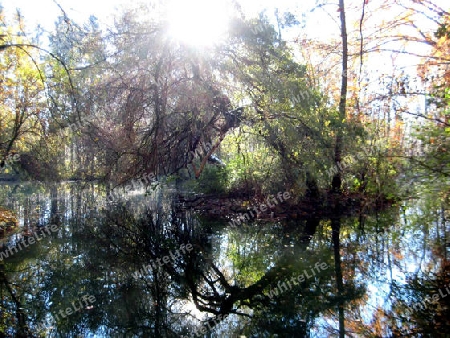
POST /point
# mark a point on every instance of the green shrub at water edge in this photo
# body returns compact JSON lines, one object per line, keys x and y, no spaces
{"x":213,"y":180}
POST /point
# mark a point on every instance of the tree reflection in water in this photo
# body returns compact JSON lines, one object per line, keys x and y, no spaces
{"x":229,"y":272}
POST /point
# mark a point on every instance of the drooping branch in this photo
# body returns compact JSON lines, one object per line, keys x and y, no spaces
{"x":232,"y":120}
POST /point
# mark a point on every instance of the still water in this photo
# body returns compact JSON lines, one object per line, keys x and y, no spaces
{"x":147,"y":266}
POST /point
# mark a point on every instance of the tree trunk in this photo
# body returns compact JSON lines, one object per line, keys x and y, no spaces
{"x":336,"y":228}
{"x":337,"y":181}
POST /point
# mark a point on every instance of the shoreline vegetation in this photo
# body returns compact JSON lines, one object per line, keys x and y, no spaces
{"x":228,"y":205}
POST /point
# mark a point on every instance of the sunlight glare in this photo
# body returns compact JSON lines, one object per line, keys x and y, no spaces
{"x":198,"y":22}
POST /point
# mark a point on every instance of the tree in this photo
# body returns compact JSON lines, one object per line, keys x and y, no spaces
{"x":22,"y":112}
{"x":153,"y":102}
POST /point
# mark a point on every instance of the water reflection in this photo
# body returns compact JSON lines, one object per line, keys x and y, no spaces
{"x":378,"y":266}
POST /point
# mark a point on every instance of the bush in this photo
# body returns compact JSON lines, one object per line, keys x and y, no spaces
{"x":213,"y":180}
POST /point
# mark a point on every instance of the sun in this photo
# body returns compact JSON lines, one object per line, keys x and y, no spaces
{"x":198,"y":22}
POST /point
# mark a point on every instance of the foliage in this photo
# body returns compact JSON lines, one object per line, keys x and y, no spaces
{"x":214,"y":180}
{"x":22,"y":109}
{"x":251,"y":164}
{"x":142,"y":102}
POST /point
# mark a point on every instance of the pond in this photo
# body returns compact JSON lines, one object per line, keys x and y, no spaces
{"x":145,"y":265}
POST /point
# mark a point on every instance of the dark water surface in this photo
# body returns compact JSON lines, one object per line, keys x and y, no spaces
{"x":146,"y":266}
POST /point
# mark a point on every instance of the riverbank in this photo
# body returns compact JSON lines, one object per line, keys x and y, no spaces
{"x":231,"y":206}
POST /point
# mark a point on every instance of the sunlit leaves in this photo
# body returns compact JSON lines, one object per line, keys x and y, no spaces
{"x":22,"y":93}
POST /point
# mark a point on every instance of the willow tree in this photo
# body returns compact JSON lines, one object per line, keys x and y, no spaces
{"x":151,"y":101}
